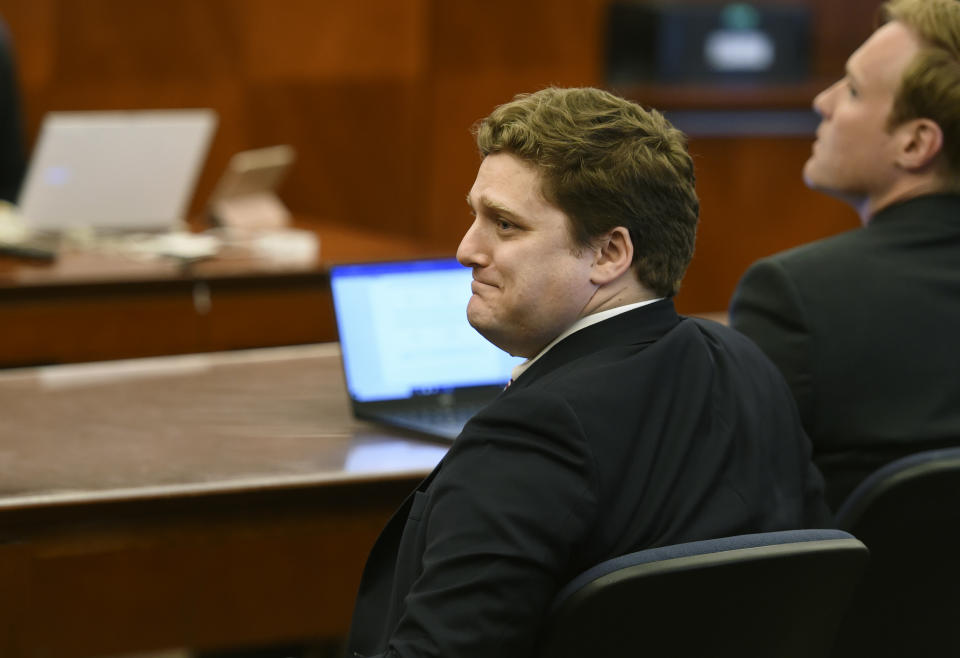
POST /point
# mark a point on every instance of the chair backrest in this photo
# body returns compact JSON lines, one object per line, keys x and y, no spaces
{"x":908,"y":514}
{"x":770,"y":595}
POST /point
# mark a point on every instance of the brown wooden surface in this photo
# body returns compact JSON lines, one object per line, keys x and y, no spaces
{"x":338,"y":243}
{"x":195,"y":501}
{"x":89,"y":305}
{"x":377,"y":97}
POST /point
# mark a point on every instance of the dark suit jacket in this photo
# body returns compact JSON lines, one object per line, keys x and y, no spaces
{"x":865,"y":326}
{"x":642,"y":430}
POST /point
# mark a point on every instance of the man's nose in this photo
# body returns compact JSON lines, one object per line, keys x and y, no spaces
{"x":822,"y":102}
{"x":468,"y":252}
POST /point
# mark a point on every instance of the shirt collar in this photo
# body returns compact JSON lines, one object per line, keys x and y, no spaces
{"x":582,"y":323}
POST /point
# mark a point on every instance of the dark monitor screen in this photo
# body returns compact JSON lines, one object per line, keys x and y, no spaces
{"x":707,"y":43}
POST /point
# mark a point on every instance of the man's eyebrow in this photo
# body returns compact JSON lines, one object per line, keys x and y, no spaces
{"x":492,"y":205}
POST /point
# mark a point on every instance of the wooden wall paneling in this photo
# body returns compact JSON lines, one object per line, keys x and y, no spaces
{"x":32,"y":28}
{"x":477,"y":36}
{"x":752,"y":203}
{"x":308,"y":40}
{"x":212,"y":572}
{"x":360,"y":156}
{"x":484,"y":53}
{"x":378,"y":97}
{"x":144,"y":43}
{"x":342,"y":82}
{"x":252,"y":313}
{"x":838,"y":29}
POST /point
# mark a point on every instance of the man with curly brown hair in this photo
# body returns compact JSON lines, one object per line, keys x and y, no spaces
{"x":627,"y":427}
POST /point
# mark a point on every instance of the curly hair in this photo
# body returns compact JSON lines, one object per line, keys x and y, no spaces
{"x":606,"y":162}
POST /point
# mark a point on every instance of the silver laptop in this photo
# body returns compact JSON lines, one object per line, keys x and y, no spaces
{"x":410,"y":358}
{"x":115,"y":170}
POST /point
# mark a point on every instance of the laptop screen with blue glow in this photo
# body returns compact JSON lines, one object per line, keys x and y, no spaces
{"x":404,"y":332}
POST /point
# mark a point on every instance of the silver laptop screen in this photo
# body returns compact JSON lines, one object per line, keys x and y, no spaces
{"x":129,"y":170}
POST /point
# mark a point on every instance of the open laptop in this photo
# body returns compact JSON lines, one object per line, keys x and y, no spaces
{"x":129,"y":170}
{"x":410,"y":358}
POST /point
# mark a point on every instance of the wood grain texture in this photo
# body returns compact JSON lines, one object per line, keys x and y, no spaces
{"x":200,"y":501}
{"x":89,"y":306}
{"x":378,"y":98}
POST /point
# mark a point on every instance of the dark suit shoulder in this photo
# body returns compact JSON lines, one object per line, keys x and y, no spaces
{"x":909,"y":230}
{"x":814,"y":254}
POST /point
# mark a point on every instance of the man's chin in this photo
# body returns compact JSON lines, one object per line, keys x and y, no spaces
{"x":491,"y":331}
{"x":810,"y":175}
{"x":480,"y":323}
{"x":832,"y":188}
{"x":492,"y":335}
{"x":815,"y":181}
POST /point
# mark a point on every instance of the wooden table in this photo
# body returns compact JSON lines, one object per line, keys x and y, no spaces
{"x":91,"y":305}
{"x":196,"y":501}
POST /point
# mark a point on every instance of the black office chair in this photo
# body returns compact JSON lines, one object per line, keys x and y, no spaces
{"x":769,"y":595}
{"x":908,"y":514}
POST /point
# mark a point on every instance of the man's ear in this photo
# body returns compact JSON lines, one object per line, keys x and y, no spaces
{"x":614,"y":256}
{"x":921,"y":143}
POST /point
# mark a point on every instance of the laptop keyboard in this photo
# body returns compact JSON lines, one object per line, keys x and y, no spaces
{"x":449,"y":419}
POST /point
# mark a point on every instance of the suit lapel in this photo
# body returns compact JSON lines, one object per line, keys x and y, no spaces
{"x":646,"y":324}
